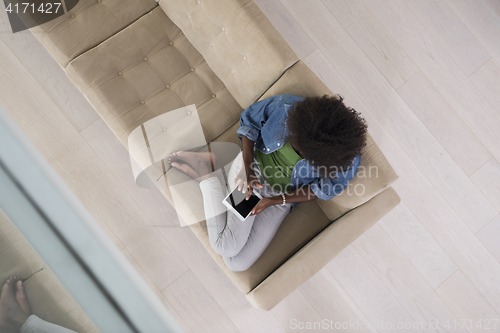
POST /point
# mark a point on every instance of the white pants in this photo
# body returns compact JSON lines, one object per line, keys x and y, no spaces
{"x":240,"y":243}
{"x":36,"y":325}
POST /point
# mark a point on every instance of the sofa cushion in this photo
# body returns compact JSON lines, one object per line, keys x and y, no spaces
{"x":88,"y":24}
{"x":375,"y":174}
{"x":238,"y":42}
{"x":317,"y":253}
{"x":147,"y":69}
{"x":48,"y":298}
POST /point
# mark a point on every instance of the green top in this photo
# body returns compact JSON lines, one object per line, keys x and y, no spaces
{"x":277,"y":166}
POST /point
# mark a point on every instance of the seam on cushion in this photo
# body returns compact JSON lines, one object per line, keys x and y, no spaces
{"x":205,"y":84}
{"x":161,"y":27}
{"x":83,"y":52}
{"x":279,"y":78}
{"x":67,"y":19}
{"x":182,"y":55}
{"x":225,"y":130}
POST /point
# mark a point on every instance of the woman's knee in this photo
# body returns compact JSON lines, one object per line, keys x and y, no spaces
{"x":237,"y":264}
{"x":224,"y":249}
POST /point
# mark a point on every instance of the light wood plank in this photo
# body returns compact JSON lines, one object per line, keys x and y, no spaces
{"x":369,"y":293}
{"x":435,"y":214}
{"x":445,"y":124}
{"x":83,"y":167}
{"x":468,"y":304}
{"x":488,"y":180}
{"x":293,"y":33}
{"x":49,"y":75}
{"x":158,"y":293}
{"x":402,"y":279}
{"x":398,"y":119}
{"x":482,"y":17}
{"x":490,"y":235}
{"x":444,"y":74}
{"x":331,"y":301}
{"x":374,"y":40}
{"x":487,"y":80}
{"x":297,"y":314}
{"x":418,"y":245}
{"x":195,"y":305}
{"x":451,"y":33}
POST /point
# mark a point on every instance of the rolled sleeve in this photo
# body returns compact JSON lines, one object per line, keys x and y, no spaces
{"x":249,"y":132}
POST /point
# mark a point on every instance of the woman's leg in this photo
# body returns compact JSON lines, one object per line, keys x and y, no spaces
{"x":263,"y":230}
{"x":227,"y":233}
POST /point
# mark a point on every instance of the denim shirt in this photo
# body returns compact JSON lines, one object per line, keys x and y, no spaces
{"x":265,"y":123}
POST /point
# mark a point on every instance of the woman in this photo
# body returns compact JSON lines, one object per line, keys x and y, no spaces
{"x":294,"y":150}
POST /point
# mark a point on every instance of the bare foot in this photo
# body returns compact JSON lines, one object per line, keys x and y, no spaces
{"x":186,"y":168}
{"x":194,"y":164}
{"x":14,"y":306}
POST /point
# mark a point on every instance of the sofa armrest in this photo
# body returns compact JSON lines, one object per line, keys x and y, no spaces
{"x":321,"y":250}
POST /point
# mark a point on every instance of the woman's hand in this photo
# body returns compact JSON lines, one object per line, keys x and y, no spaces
{"x":263,"y":204}
{"x":247,"y":179}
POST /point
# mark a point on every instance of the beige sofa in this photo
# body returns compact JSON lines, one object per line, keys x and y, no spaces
{"x":137,"y":59}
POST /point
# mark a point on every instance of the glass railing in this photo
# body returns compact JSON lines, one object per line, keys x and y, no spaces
{"x":73,"y":275}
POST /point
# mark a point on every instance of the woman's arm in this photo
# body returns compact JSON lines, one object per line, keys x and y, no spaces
{"x":247,"y":177}
{"x":300,"y":195}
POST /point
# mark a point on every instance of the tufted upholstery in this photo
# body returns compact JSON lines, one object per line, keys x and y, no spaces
{"x":147,"y":69}
{"x":88,"y":24}
{"x":238,"y":42}
{"x":47,"y":297}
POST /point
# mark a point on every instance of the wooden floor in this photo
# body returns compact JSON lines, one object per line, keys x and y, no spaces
{"x":424,"y":73}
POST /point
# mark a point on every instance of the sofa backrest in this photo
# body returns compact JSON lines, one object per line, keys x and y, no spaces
{"x":88,"y":24}
{"x":238,"y":42}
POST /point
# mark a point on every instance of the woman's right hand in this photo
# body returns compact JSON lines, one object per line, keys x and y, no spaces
{"x":247,"y":179}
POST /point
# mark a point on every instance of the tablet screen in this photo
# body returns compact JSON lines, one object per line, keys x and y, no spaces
{"x":237,"y":200}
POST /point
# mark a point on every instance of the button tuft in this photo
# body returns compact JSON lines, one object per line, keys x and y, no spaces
{"x":212,"y":44}
{"x":171,"y":43}
{"x":142,"y":102}
{"x":232,"y":71}
{"x":189,"y":113}
{"x":164,"y":129}
{"x":223,"y":28}
{"x":145,"y":58}
{"x":167,"y":86}
{"x":213,"y":96}
{"x":192,"y":69}
{"x":73,"y":16}
{"x":120,"y":73}
{"x":99,"y":1}
{"x":245,"y":57}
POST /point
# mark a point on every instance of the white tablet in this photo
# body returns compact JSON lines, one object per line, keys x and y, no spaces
{"x":235,"y":202}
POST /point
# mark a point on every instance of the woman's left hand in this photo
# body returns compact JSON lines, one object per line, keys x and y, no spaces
{"x":263,"y":204}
